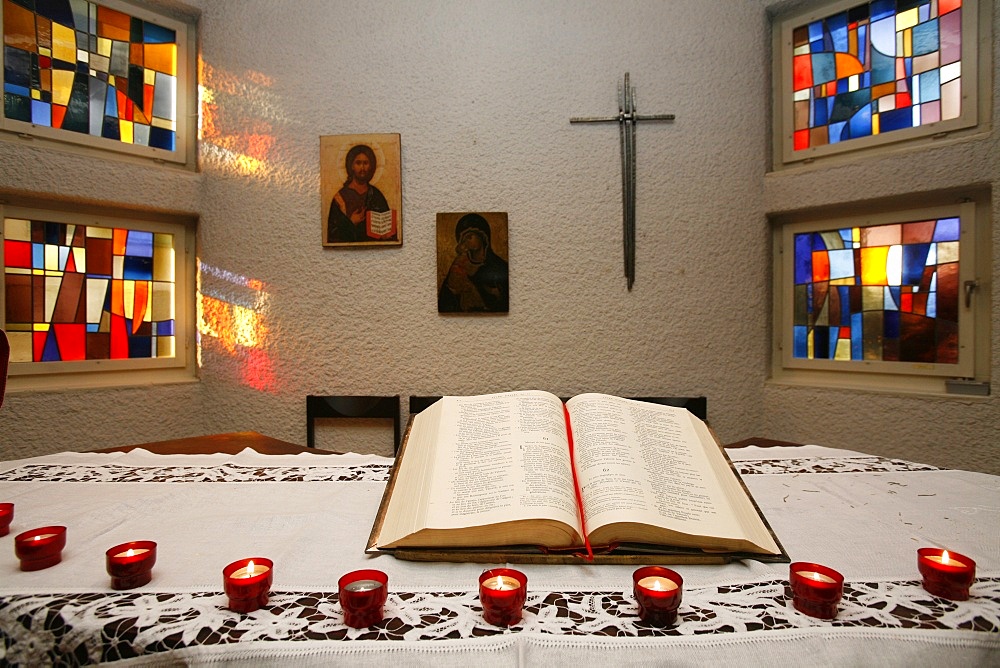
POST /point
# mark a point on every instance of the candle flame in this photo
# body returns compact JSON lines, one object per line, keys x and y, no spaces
{"x":37,"y":538}
{"x":500,"y":582}
{"x":816,"y":576}
{"x":130,"y":553}
{"x":945,"y":559}
{"x":250,"y":569}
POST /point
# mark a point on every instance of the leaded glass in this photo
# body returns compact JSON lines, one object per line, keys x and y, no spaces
{"x":84,"y":292}
{"x":82,"y":67}
{"x":885,"y":292}
{"x":877,"y":67}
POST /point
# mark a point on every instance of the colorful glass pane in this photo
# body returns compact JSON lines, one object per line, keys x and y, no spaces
{"x":76,"y":292}
{"x":86,"y":68}
{"x":892,"y":295}
{"x":880,"y":66}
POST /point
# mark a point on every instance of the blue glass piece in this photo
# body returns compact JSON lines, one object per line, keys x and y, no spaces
{"x":800,"y":341}
{"x":138,"y":268}
{"x":17,"y":90}
{"x":841,"y":263}
{"x":890,"y":324}
{"x":154,"y":34}
{"x":857,"y":339}
{"x":111,"y":128}
{"x":930,"y":86}
{"x":881,"y":9}
{"x":863,"y":39}
{"x":844,"y":291}
{"x":815,"y":31}
{"x":160,"y":138}
{"x":111,"y":104}
{"x":947,"y":229}
{"x":165,"y":328}
{"x":50,"y":353}
{"x":883,"y":68}
{"x":16,"y":67}
{"x":93,"y":327}
{"x":860,"y":124}
{"x":883,"y":37}
{"x":821,"y":343}
{"x":925,"y":38}
{"x":847,"y":105}
{"x":843,"y":86}
{"x":837,"y":25}
{"x":139,"y":243}
{"x":803,"y":258}
{"x":847,"y":234}
{"x":820,"y":112}
{"x":932,"y":305}
{"x":824,"y":67}
{"x":41,"y":113}
{"x":57,"y":10}
{"x":140,"y":346}
{"x":819,"y":242}
{"x":38,"y":256}
{"x":891,"y":301}
{"x":914,"y":261}
{"x":897,"y":119}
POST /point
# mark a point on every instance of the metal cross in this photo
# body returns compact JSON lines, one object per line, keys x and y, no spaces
{"x":626,"y":119}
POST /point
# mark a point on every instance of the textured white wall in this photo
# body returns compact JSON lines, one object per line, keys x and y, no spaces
{"x":481,"y":93}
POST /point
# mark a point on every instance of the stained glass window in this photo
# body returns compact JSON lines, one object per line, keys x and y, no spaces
{"x":80,"y":67}
{"x":82,"y":292}
{"x":886,"y":292}
{"x":891,"y":292}
{"x":881,"y":70}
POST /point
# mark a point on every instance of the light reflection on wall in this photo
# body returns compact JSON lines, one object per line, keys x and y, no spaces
{"x":238,"y":118}
{"x":232,"y":310}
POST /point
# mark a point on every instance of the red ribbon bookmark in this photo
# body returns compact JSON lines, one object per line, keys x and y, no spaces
{"x":576,"y":488}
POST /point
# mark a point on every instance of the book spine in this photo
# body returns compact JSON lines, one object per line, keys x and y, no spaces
{"x":576,"y":487}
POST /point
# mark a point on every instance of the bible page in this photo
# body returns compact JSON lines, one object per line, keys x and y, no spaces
{"x":646,"y":463}
{"x":497,"y":458}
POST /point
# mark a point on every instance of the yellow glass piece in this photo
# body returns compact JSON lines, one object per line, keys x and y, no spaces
{"x":18,"y":270}
{"x":125,"y":130}
{"x":104,"y":46}
{"x":20,"y":345}
{"x":97,"y":290}
{"x":907,"y":43}
{"x":148,"y":77}
{"x":810,"y":347}
{"x":872,"y":298}
{"x":163,"y":123}
{"x":873,"y":261}
{"x":63,"y":43}
{"x":161,"y":57}
{"x":842,"y":351}
{"x":947,"y":251}
{"x":51,"y":257}
{"x":117,"y":267}
{"x":80,"y":259}
{"x":62,"y":86}
{"x":41,"y":327}
{"x":83,"y":56}
{"x":17,"y":229}
{"x":36,"y":94}
{"x":951,"y":99}
{"x":163,"y":301}
{"x":875,"y":124}
{"x":163,"y":257}
{"x":99,"y":232}
{"x":45,"y":51}
{"x":165,"y":346}
{"x":52,"y":285}
{"x":906,"y":20}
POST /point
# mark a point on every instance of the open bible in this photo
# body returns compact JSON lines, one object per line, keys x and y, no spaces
{"x":522,"y":477}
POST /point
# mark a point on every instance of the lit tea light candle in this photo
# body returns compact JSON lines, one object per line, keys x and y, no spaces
{"x":502,"y":592}
{"x":247,"y":583}
{"x":362,"y":597}
{"x":658,"y":592}
{"x":130,"y":565}
{"x":40,"y":548}
{"x":946,"y":574}
{"x":816,"y":589}
{"x":6,"y":515}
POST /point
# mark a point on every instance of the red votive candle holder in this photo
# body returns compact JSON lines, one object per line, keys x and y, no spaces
{"x":658,"y":592}
{"x":502,"y":592}
{"x":6,"y":515}
{"x":362,"y":597}
{"x":40,"y":548}
{"x":816,"y":589}
{"x":946,"y":574}
{"x":130,"y":565}
{"x":247,"y":583}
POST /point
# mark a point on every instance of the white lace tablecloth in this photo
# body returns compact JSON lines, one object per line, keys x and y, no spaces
{"x":311,"y":514}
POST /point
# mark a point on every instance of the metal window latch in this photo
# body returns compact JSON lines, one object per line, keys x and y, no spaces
{"x":970,"y":287}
